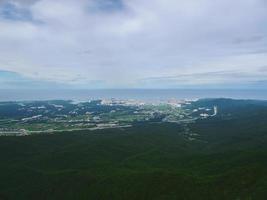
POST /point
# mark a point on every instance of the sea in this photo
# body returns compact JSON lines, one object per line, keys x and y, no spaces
{"x":124,"y":94}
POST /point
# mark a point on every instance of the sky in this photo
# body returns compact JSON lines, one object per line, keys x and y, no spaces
{"x":92,"y":44}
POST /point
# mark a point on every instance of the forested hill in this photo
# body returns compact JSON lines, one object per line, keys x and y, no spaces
{"x":218,"y":157}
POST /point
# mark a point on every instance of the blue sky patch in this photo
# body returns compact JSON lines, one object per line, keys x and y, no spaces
{"x":12,"y":12}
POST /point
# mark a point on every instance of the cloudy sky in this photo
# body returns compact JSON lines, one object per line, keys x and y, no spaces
{"x":133,"y":43}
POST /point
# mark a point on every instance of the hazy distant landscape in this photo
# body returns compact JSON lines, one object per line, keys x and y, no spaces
{"x":128,"y":94}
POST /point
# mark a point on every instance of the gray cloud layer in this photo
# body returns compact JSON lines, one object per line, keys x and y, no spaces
{"x":122,"y":43}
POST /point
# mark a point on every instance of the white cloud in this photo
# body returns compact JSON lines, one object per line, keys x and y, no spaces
{"x":125,"y":41}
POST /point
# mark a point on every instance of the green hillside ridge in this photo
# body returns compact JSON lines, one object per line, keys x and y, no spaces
{"x":226,"y":160}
